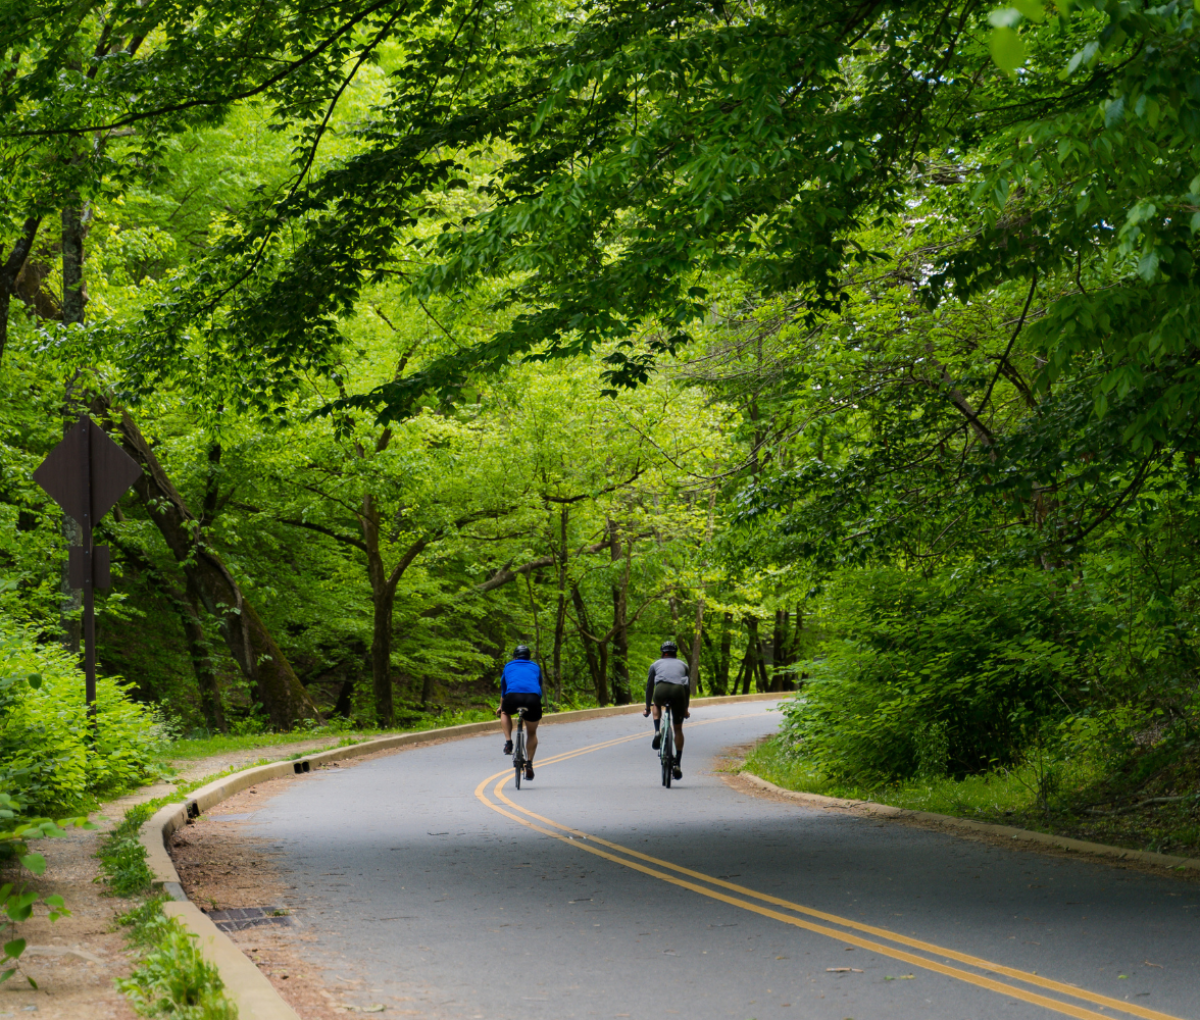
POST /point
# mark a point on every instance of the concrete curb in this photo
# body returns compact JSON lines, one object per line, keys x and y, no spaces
{"x":250,"y":989}
{"x":1061,"y":842}
{"x":255,"y":996}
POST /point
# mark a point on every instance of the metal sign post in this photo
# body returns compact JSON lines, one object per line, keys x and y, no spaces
{"x":86,"y":474}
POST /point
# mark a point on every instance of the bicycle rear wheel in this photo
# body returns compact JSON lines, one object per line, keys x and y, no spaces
{"x":519,"y":754}
{"x":668,"y":749}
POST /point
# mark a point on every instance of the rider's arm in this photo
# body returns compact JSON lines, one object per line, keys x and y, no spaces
{"x":650,"y":687}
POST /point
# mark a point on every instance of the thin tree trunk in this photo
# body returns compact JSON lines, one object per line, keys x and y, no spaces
{"x":202,"y":664}
{"x":74,"y":299}
{"x":597,"y":663}
{"x":697,"y":644}
{"x":779,"y":649}
{"x":383,"y":599}
{"x":751,"y":661}
{"x":620,"y":639}
{"x":262,"y":662}
{"x":740,"y":673}
{"x":560,"y":620}
{"x":537,"y":627}
{"x":721,"y":681}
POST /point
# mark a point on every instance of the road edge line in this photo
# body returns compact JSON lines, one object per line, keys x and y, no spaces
{"x":818,"y":800}
{"x":250,"y":989}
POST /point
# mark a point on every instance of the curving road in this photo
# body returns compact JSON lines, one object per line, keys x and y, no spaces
{"x":594,"y":892}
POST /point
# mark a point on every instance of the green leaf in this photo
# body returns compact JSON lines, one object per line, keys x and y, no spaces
{"x":7,"y":974}
{"x":34,"y":862}
{"x":1008,"y":50}
{"x":1032,"y":9}
{"x":14,"y":949}
{"x":35,"y":680}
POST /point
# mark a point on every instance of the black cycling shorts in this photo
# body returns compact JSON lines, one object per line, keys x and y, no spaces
{"x":532,"y":703}
{"x":675,"y":695}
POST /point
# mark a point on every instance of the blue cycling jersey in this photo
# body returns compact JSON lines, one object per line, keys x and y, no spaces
{"x":521,"y":676}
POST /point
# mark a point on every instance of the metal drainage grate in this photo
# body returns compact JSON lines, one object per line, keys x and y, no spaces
{"x":240,"y":918}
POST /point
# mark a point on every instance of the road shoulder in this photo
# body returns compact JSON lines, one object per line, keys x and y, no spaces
{"x":999,"y":835}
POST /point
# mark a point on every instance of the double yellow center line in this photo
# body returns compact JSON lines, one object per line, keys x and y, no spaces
{"x":774,"y":907}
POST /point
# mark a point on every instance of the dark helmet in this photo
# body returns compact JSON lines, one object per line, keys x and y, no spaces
{"x":521,"y":652}
{"x":669,"y":648}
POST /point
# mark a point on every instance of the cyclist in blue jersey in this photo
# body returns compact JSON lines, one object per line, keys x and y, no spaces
{"x":521,"y":687}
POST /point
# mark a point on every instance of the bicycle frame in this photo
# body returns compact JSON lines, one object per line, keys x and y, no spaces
{"x":666,"y":747}
{"x":519,"y":746}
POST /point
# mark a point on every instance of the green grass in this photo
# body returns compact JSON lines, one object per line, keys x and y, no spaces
{"x":225,"y":743}
{"x":1001,"y":795}
{"x":172,"y":978}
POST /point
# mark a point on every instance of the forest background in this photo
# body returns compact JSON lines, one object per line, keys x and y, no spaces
{"x":851,"y":345}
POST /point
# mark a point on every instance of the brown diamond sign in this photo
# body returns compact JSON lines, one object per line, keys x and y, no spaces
{"x":86,"y":474}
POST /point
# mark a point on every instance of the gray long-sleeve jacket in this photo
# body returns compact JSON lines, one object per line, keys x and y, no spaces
{"x":667,"y":670}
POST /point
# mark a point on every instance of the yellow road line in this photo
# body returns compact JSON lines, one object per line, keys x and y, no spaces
{"x":581,"y":842}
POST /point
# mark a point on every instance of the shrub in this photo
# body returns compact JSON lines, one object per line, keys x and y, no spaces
{"x":48,"y":754}
{"x":930,"y":676}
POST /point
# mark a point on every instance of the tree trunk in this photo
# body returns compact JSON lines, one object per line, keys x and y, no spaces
{"x":779,"y":658}
{"x":383,"y":602}
{"x":721,"y":680}
{"x":597,"y":663}
{"x":697,"y":644}
{"x":10,"y":269}
{"x":262,"y":662}
{"x":560,"y":620}
{"x":74,"y":227}
{"x":74,"y":299}
{"x":383,"y":598}
{"x":751,"y":662}
{"x":620,"y":638}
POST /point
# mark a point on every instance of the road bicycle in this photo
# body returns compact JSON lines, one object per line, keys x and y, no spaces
{"x":519,"y":762}
{"x":666,"y":748}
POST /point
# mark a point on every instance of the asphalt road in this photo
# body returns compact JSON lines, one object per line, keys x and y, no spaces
{"x":594,"y":892}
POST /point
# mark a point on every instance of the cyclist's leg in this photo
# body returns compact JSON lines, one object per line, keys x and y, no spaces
{"x":677,"y":710}
{"x":506,"y":724}
{"x":530,"y":740}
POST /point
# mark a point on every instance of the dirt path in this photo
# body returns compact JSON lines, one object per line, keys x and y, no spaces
{"x":75,"y":960}
{"x":191,"y":769}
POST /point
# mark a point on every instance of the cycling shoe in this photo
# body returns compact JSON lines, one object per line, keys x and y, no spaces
{"x":508,"y":747}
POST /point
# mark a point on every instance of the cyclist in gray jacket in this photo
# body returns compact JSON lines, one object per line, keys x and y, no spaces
{"x":667,"y":684}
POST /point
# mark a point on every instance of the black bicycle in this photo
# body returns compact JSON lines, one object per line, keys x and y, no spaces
{"x":666,"y":748}
{"x":519,"y":762}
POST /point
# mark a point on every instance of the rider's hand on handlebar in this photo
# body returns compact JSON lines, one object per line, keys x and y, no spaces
{"x":687,"y":715}
{"x":645,"y":713}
